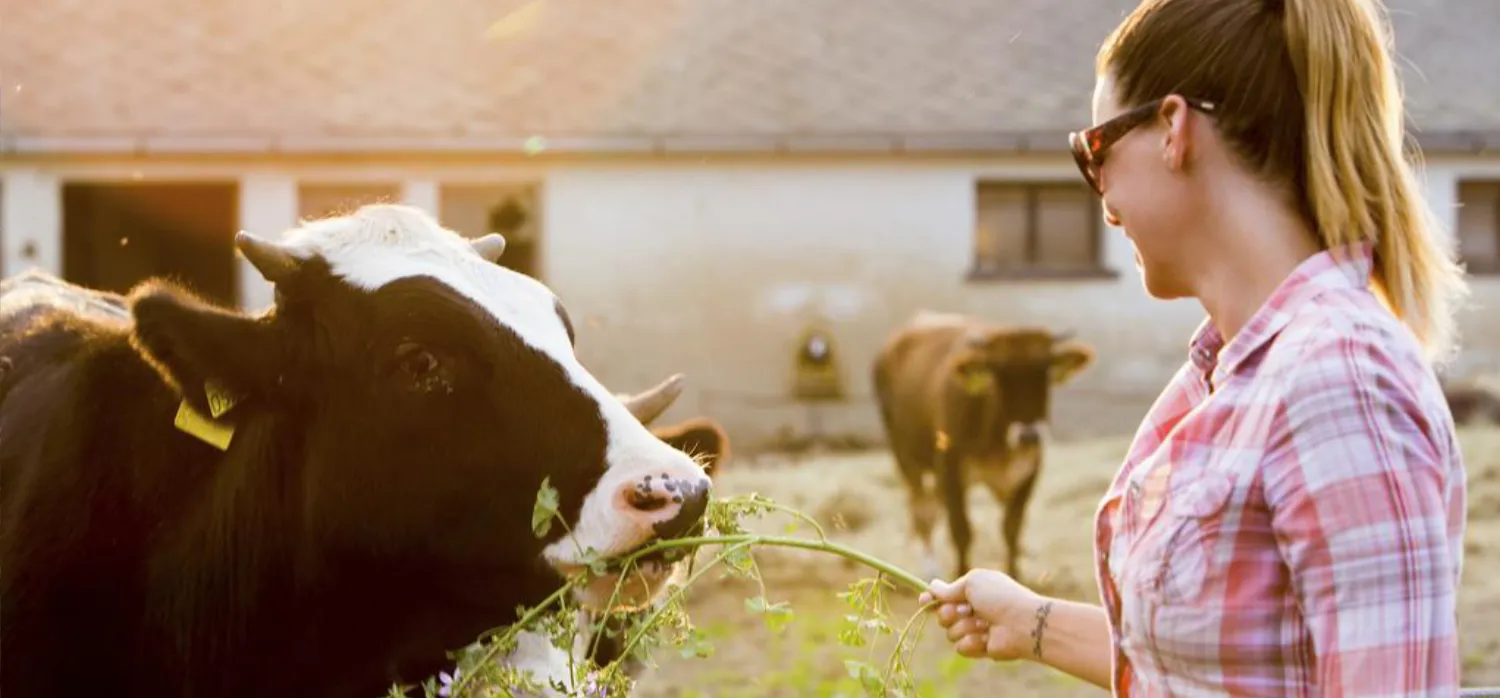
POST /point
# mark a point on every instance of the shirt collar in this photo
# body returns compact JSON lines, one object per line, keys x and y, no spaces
{"x":1347,"y":267}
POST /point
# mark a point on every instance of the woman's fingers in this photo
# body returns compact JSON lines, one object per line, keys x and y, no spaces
{"x":972,"y":646}
{"x":967,"y":626}
{"x":950,"y":613}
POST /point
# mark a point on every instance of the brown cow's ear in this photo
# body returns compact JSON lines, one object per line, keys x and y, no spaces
{"x":1068,"y":360}
{"x":194,"y":344}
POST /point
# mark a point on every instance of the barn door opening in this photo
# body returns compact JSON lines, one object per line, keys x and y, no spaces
{"x":508,"y":209}
{"x":116,"y":235}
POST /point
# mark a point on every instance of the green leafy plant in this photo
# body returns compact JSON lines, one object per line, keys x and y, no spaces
{"x":481,"y":671}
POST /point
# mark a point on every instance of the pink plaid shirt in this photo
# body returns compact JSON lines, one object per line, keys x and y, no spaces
{"x":1289,"y":520}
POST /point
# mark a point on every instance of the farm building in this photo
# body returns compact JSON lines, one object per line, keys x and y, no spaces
{"x":702,"y":182}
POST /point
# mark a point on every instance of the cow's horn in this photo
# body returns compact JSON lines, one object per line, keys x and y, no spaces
{"x":1064,"y":335}
{"x":489,"y":246}
{"x":273,"y":261}
{"x":649,"y":405}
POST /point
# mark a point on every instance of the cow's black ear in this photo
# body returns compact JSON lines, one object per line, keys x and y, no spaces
{"x":1069,"y":358}
{"x":194,"y":344}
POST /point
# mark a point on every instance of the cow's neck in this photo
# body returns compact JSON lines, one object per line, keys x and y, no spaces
{"x":239,"y":559}
{"x":235,"y":539}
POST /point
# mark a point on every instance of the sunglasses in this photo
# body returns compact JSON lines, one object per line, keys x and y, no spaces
{"x":1089,"y":146}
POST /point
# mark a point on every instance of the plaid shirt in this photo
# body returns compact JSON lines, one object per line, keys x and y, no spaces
{"x":1289,"y":520}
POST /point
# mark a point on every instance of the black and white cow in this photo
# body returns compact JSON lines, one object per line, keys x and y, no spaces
{"x":390,"y":421}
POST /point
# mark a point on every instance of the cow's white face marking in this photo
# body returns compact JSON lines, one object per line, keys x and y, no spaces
{"x":379,"y":244}
{"x":1014,"y":431}
{"x":1003,"y":473}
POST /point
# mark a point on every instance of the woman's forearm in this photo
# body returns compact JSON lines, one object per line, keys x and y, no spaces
{"x":1073,"y":637}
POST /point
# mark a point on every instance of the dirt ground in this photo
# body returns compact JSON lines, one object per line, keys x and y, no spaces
{"x":861,"y":491}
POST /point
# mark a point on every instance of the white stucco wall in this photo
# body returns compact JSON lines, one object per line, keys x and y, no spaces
{"x":30,"y":219}
{"x":1479,"y":323}
{"x":714,"y":271}
{"x":713,"y":266}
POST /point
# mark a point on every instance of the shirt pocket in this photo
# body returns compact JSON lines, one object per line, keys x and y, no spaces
{"x":1189,"y":556}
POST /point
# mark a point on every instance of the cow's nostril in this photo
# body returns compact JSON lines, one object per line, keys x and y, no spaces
{"x":671,"y":506}
{"x":643,"y":497}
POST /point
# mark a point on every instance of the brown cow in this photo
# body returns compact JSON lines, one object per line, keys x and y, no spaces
{"x":1473,"y":402}
{"x":967,"y":400}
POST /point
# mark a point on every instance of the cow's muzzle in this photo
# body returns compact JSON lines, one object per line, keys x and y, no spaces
{"x":1026,"y":435}
{"x":691,"y":501}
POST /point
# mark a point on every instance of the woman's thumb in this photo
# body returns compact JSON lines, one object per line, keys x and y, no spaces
{"x":947,"y":592}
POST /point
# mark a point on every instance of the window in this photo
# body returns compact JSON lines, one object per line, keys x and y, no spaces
{"x":1479,"y":225}
{"x":1041,"y":229}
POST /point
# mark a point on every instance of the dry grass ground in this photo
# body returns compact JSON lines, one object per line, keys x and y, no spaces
{"x":861,"y":491}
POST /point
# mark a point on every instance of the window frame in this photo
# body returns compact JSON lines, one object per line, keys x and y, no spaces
{"x":1030,"y":270}
{"x":1490,"y":185}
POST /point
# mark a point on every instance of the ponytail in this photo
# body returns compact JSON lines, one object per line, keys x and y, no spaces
{"x":1358,"y":184}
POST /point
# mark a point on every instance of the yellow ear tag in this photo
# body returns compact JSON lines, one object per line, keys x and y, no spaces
{"x":977,"y":383}
{"x":220,"y":400}
{"x":211,"y":431}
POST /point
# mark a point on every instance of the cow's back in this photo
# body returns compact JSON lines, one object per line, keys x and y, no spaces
{"x":48,"y":329}
{"x":67,"y":491}
{"x":52,"y":334}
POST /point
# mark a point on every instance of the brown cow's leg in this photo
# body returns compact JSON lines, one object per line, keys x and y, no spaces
{"x":951,"y":485}
{"x":1011,"y":480}
{"x":1015,"y":518}
{"x":922,"y":504}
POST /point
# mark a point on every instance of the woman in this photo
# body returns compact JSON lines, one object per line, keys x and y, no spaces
{"x":1289,"y":519}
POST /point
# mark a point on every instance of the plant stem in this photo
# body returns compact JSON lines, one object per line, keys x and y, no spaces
{"x":735,"y":541}
{"x":753,"y":539}
{"x":919,"y":616}
{"x":650,"y":621}
{"x":794,"y":514}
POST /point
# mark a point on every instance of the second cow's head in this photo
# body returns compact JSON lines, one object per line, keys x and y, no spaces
{"x":1000,"y":382}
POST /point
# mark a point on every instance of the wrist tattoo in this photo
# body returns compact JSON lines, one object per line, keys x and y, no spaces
{"x":1042,"y":612}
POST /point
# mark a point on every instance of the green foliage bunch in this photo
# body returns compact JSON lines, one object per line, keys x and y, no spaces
{"x":726,"y":546}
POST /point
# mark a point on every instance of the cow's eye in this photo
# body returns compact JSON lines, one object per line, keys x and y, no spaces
{"x":415,"y":360}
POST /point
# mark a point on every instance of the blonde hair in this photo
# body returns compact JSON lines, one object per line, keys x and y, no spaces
{"x":1342,"y":157}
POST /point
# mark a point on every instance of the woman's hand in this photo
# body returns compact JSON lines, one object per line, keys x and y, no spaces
{"x":986,"y":614}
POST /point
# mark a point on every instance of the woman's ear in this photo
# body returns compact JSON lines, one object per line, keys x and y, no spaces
{"x":1177,"y":138}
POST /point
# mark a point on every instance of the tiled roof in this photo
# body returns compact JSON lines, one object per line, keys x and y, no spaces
{"x":250,"y":74}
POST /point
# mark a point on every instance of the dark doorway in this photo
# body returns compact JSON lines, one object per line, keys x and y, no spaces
{"x":118,"y":234}
{"x":511,"y":209}
{"x":512,"y":218}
